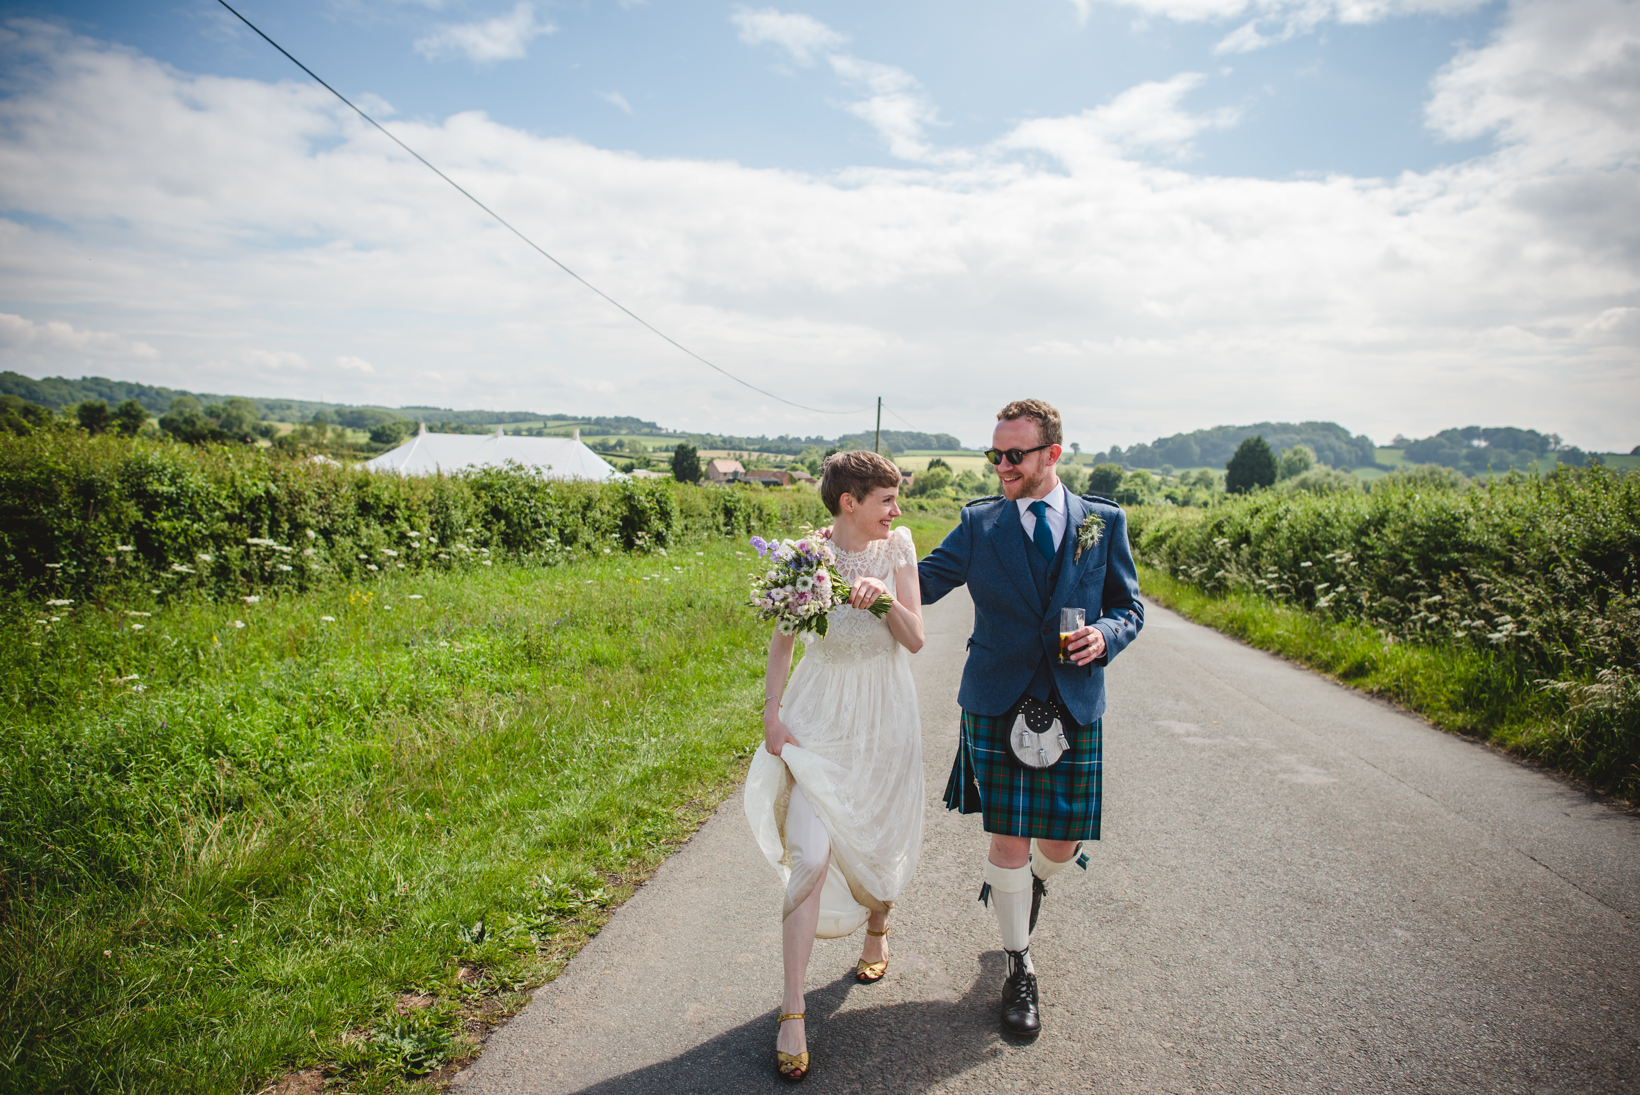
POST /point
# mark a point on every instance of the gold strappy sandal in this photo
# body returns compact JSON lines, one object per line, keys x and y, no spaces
{"x":869,"y":973}
{"x":791,"y":1067}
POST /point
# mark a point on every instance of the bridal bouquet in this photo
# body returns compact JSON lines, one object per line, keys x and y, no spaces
{"x":801,"y":584}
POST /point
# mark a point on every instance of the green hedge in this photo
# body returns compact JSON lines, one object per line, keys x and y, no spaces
{"x":1536,"y":575}
{"x":85,"y":516}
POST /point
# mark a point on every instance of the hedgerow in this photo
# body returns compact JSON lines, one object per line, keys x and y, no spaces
{"x":1535,"y":575}
{"x":84,"y":516}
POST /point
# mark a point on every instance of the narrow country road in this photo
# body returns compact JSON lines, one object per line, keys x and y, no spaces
{"x":1299,"y":890}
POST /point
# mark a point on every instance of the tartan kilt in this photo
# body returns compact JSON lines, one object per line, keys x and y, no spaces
{"x":1058,"y":803}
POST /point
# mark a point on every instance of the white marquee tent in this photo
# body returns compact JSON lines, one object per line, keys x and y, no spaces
{"x":553,"y":457}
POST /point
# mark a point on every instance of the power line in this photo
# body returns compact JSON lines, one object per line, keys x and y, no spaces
{"x":503,"y":222}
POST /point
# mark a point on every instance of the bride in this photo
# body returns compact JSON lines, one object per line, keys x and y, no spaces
{"x":835,"y":794}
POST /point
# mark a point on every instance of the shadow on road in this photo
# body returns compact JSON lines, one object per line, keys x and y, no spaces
{"x":908,"y":1046}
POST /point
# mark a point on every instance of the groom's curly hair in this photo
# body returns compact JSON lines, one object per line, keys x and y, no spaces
{"x":856,"y":474}
{"x":1043,"y":414}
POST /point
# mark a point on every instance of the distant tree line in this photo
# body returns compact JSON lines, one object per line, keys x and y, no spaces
{"x":1475,"y":449}
{"x":1330,"y":443}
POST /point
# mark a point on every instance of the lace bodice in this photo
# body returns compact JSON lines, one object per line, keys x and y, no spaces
{"x":854,"y":634}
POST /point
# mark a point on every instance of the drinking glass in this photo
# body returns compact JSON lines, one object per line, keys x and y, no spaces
{"x":1070,"y":622}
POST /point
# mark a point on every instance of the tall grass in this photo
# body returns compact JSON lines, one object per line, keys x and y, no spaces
{"x":331,"y":827}
{"x":1526,"y":585}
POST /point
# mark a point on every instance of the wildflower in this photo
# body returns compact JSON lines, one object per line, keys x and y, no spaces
{"x":311,"y":535}
{"x":136,"y":627}
{"x":327,"y":619}
{"x":203,"y":557}
{"x":55,"y":566}
{"x":124,"y":547}
{"x":703,"y":553}
{"x":139,"y":613}
{"x":606,"y":551}
{"x":239,"y":623}
{"x":412,"y":535}
{"x":284,"y":567}
{"x":308,"y":552}
{"x":415,"y":596}
{"x":390,"y":553}
{"x":251,"y":600}
{"x":181,"y":569}
{"x":486,"y":562}
{"x":364,"y":556}
{"x":59,"y":602}
{"x":371,"y":566}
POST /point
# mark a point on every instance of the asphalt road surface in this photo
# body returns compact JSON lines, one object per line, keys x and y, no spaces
{"x":1299,"y":889}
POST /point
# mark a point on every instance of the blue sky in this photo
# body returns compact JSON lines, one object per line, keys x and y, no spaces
{"x":1344,"y":98}
{"x":1163,"y":214}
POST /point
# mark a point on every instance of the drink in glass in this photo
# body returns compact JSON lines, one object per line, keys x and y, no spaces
{"x":1071,"y":621}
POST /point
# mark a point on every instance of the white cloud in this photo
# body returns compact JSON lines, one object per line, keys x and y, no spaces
{"x":1148,"y":115}
{"x":504,"y":38}
{"x":1084,"y":8}
{"x":1142,"y":299}
{"x":1267,"y":22}
{"x":615,"y":98}
{"x":896,"y":104}
{"x":354,"y":364}
{"x":59,"y":345}
{"x":800,"y":35}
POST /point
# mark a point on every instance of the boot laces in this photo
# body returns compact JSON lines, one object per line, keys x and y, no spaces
{"x":1021,"y":982}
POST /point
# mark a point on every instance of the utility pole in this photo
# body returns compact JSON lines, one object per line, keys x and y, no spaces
{"x":877,"y":446}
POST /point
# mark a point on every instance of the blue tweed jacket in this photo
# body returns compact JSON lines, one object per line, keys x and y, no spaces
{"x":1013,"y":629}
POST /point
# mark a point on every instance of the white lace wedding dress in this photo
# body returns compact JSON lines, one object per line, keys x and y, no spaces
{"x":852,"y":704}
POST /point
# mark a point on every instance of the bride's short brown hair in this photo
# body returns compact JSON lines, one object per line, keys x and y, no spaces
{"x":856,"y":474}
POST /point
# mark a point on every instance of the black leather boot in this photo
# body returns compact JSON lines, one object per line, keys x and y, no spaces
{"x":1019,"y":1000}
{"x":1039,"y":890}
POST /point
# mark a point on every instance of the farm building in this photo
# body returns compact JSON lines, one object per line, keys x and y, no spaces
{"x":553,"y":457}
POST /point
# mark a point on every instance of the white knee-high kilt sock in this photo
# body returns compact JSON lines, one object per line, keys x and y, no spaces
{"x":1011,"y":898}
{"x":1045,"y":868}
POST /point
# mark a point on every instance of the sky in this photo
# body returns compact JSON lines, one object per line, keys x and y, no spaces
{"x":1159,"y":215}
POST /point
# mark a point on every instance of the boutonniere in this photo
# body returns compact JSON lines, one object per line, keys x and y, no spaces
{"x":1087,"y":535}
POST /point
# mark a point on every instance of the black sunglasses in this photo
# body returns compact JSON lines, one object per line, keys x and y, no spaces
{"x":1014,"y":455}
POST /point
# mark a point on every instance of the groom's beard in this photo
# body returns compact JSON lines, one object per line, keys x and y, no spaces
{"x":1028,"y":485}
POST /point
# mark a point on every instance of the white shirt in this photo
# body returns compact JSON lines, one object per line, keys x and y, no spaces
{"x":1056,"y":515}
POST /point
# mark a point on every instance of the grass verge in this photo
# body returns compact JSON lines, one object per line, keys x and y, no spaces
{"x":337,"y":829}
{"x":1464,"y":691}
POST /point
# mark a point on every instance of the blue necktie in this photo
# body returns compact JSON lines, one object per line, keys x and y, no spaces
{"x":1042,"y":537}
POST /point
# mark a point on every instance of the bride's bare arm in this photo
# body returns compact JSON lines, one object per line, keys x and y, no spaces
{"x":905,"y":615}
{"x":775,"y":734}
{"x":905,"y":618}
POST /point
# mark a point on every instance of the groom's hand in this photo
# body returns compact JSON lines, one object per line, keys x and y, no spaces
{"x":775,"y":735}
{"x":1087,"y":645}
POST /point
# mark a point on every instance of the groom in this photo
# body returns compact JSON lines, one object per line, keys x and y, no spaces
{"x":1025,"y":555}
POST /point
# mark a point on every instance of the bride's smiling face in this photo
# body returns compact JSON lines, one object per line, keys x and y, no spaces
{"x":874,"y":515}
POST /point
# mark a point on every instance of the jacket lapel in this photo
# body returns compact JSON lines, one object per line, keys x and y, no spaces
{"x":1075,"y":511}
{"x":1008,"y":538}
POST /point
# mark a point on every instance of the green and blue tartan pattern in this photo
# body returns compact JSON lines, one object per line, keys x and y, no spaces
{"x":1058,"y":803}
